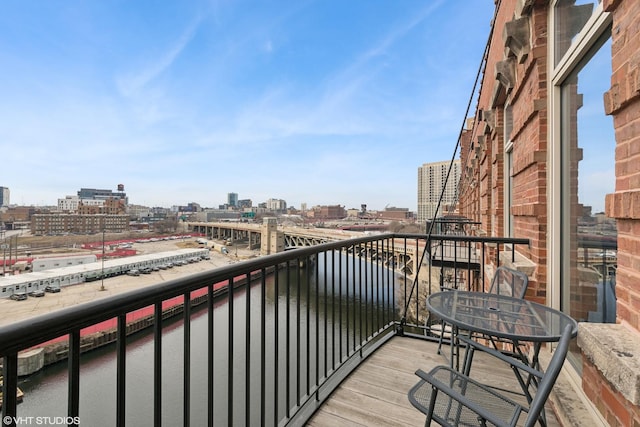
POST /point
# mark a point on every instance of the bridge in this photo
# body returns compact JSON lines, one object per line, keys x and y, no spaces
{"x":272,"y":238}
{"x":448,"y":252}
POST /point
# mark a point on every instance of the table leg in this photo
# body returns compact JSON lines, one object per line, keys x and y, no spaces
{"x":455,"y":351}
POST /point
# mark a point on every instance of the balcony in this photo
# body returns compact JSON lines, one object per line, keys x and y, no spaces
{"x":314,"y":335}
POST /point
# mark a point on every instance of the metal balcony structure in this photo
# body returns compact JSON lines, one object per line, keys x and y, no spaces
{"x":283,"y":331}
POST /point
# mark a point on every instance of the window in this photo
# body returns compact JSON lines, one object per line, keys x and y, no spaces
{"x":571,"y":16}
{"x":582,"y":164}
{"x":508,"y":171}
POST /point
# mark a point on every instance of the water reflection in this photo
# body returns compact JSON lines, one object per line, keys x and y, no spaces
{"x":309,"y":329}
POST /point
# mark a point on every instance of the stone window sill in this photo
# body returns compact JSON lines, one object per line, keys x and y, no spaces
{"x":615,"y":351}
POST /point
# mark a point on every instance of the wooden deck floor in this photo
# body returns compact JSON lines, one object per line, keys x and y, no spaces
{"x":376,"y":393}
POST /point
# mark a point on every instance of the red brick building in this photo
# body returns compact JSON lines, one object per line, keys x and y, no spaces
{"x":111,"y":206}
{"x":58,"y":224}
{"x":555,"y":143}
{"x":328,"y":212}
{"x":15,"y":215}
{"x":395,"y":214}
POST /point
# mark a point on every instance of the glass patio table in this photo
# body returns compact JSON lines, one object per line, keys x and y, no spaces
{"x":500,"y":316}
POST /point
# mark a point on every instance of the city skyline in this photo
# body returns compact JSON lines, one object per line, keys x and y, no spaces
{"x":255,"y":203}
{"x":315,"y":102}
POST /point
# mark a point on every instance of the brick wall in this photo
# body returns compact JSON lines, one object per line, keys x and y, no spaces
{"x":520,"y":79}
{"x":622,"y":101}
{"x":615,"y":409}
{"x":523,"y":87}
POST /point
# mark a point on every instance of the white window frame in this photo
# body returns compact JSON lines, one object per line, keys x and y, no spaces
{"x":595,"y":27}
{"x":589,"y":36}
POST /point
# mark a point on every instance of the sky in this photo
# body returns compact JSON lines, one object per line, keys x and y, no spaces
{"x":320,"y":102}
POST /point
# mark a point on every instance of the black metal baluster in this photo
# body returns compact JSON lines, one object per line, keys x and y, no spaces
{"x":210,"y":358}
{"x":377,"y":285}
{"x":230,"y":354}
{"x":333,"y":310}
{"x":349,"y":276}
{"x":366,"y":292}
{"x":121,"y":374}
{"x":308,"y":322}
{"x":263,"y":339}
{"x":360,"y":332}
{"x":247,"y":345}
{"x":355,"y":298}
{"x":418,"y":266}
{"x":326,"y":303}
{"x":340,"y":306}
{"x":298,"y":301}
{"x":73,"y":406}
{"x":288,"y":341}
{"x":157,"y":364}
{"x":482,"y":266}
{"x":317,"y":275}
{"x":392,"y":280}
{"x":186,"y":380}
{"x":381,"y":268}
{"x":10,"y":389}
{"x":276,"y":347}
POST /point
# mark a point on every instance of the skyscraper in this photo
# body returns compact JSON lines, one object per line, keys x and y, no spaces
{"x":432,"y":179}
{"x":4,"y":196}
{"x":232,"y":199}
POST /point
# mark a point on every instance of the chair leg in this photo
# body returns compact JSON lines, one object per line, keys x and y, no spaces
{"x":432,"y":405}
{"x":442,"y":328}
{"x":468,"y":359}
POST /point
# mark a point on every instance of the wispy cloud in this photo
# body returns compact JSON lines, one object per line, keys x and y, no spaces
{"x":133,"y":82}
{"x":292,"y":95}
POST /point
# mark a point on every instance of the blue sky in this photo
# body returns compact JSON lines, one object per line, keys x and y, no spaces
{"x":317,"y":102}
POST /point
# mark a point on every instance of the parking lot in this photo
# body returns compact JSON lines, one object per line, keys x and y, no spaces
{"x":13,"y":311}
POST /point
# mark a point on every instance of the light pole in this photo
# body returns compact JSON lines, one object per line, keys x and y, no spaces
{"x":102,"y":288}
{"x":4,"y":248}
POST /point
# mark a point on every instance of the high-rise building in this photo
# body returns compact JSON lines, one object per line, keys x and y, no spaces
{"x":245,"y":203}
{"x":276,"y":205}
{"x":4,"y":196}
{"x":99,"y":194}
{"x":232,"y":199}
{"x":432,"y":179}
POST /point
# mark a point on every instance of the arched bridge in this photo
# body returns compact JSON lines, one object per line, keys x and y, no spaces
{"x":263,"y":236}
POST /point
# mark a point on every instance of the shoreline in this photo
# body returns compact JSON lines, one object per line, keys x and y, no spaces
{"x":34,"y":359}
{"x":50,"y":352}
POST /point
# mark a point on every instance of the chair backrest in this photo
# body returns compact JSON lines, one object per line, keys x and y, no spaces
{"x":549,"y":378}
{"x":508,"y":281}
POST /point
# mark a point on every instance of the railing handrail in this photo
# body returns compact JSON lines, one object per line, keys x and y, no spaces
{"x":466,"y":238}
{"x":38,"y":329}
{"x":361,"y":276}
{"x":591,"y":243}
{"x":26,"y":333}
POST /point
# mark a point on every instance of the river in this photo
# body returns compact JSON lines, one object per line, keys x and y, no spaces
{"x":317,"y":300}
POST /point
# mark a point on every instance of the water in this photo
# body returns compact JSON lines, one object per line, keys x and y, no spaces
{"x":317,"y":299}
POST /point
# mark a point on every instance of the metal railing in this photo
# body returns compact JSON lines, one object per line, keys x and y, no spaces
{"x":282,"y":330}
{"x":599,"y":254}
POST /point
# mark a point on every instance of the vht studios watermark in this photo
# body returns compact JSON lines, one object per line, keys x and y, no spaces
{"x":40,"y":421}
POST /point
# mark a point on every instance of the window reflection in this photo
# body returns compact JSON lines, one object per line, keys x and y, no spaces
{"x":588,"y":151}
{"x":570,"y":18}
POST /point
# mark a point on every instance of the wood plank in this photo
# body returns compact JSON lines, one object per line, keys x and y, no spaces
{"x":367,"y":411}
{"x":325,"y":418}
{"x":375,"y":394}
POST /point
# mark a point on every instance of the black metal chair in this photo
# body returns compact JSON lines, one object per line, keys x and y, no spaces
{"x":506,"y":281}
{"x":453,"y":399}
{"x":513,"y":283}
